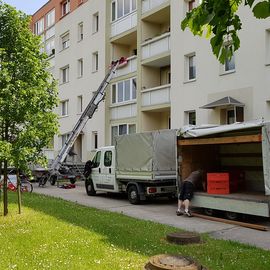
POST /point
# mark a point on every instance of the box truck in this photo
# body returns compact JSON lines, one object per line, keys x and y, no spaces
{"x":142,"y":165}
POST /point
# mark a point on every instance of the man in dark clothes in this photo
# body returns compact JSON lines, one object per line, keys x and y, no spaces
{"x":186,"y":192}
{"x":88,"y":168}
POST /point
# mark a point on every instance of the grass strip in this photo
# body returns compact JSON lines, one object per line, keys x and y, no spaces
{"x":55,"y":234}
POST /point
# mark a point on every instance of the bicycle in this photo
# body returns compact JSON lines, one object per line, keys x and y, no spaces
{"x":26,"y":186}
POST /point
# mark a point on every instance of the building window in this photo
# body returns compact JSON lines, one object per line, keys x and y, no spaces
{"x":64,"y":108}
{"x":121,"y":130}
{"x":50,"y":18}
{"x":267,"y":46}
{"x":65,"y":7}
{"x":64,"y":138}
{"x":65,"y":74}
{"x":80,"y":67}
{"x":121,"y":8}
{"x":190,"y":67}
{"x":229,"y":63}
{"x":80,"y":31}
{"x":95,"y":139}
{"x":50,"y":33}
{"x":79,"y":104}
{"x":190,"y":5}
{"x":65,"y":41}
{"x":49,"y":47}
{"x":95,"y":23}
{"x":235,"y":114}
{"x":124,"y":91}
{"x":39,"y":27}
{"x":95,"y":62}
{"x":169,"y":77}
{"x":190,"y":117}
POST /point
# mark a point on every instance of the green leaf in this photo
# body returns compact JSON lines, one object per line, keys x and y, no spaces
{"x":262,"y":10}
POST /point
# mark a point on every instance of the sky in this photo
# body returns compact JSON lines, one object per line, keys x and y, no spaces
{"x":27,"y":6}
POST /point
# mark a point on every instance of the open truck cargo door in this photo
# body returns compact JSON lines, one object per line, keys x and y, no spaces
{"x":266,"y":156}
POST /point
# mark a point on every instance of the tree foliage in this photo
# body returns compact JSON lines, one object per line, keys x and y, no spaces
{"x":27,"y":92}
{"x":219,"y":20}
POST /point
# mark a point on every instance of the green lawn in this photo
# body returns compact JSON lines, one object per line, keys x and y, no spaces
{"x":55,"y":234}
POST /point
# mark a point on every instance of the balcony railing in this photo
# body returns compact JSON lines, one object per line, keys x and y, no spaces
{"x":150,"y":4}
{"x":129,"y":68}
{"x":124,"y":24}
{"x":156,"y":46}
{"x":124,"y":110}
{"x":157,"y":95}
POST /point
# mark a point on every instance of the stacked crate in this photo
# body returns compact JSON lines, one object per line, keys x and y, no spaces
{"x":218,"y":183}
{"x":225,"y":182}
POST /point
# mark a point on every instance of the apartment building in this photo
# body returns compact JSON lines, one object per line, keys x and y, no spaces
{"x":171,"y":79}
{"x":77,"y":59}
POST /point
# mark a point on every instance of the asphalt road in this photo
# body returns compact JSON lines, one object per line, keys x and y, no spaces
{"x":161,"y":211}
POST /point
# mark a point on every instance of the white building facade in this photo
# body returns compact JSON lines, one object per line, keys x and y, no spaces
{"x":171,"y":79}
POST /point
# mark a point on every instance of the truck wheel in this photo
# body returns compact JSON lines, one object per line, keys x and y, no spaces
{"x":209,"y":211}
{"x":89,"y":186}
{"x":53,"y":180}
{"x":232,"y":215}
{"x":133,"y":195}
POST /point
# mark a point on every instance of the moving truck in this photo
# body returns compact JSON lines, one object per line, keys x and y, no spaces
{"x":239,"y":152}
{"x":141,"y":165}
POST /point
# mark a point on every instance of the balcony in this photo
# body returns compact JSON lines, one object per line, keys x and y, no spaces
{"x":123,"y":111}
{"x":148,"y":5}
{"x":156,"y":46}
{"x":124,"y":24}
{"x":129,"y":68}
{"x":156,"y":96}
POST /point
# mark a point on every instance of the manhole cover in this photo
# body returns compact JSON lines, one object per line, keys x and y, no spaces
{"x":183,"y":238}
{"x":171,"y":262}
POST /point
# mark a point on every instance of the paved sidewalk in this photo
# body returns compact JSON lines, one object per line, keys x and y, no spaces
{"x":160,"y":211}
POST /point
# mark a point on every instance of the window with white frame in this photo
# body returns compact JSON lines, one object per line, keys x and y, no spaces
{"x":95,"y":62}
{"x":65,"y":41}
{"x":95,"y":23}
{"x":50,"y":48}
{"x":64,"y":108}
{"x":229,"y":64}
{"x":267,"y":46}
{"x":64,"y":74}
{"x":39,"y":26}
{"x":65,"y":7}
{"x":80,"y":31}
{"x":50,"y":18}
{"x":79,"y":104}
{"x":120,"y":8}
{"x":190,"y":117}
{"x":80,"y":67}
{"x":94,"y":140}
{"x":235,"y":114}
{"x":124,"y":91}
{"x":50,"y":33}
{"x":121,"y":130}
{"x":190,"y":67}
{"x":64,"y":138}
{"x":190,"y":5}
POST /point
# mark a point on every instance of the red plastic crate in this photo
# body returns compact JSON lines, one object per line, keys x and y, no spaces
{"x":218,"y":183}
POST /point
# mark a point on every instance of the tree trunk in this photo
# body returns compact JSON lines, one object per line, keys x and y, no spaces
{"x":5,"y":193}
{"x":19,"y":192}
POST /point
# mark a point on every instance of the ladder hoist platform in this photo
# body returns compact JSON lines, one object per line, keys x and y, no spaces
{"x":85,"y":116}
